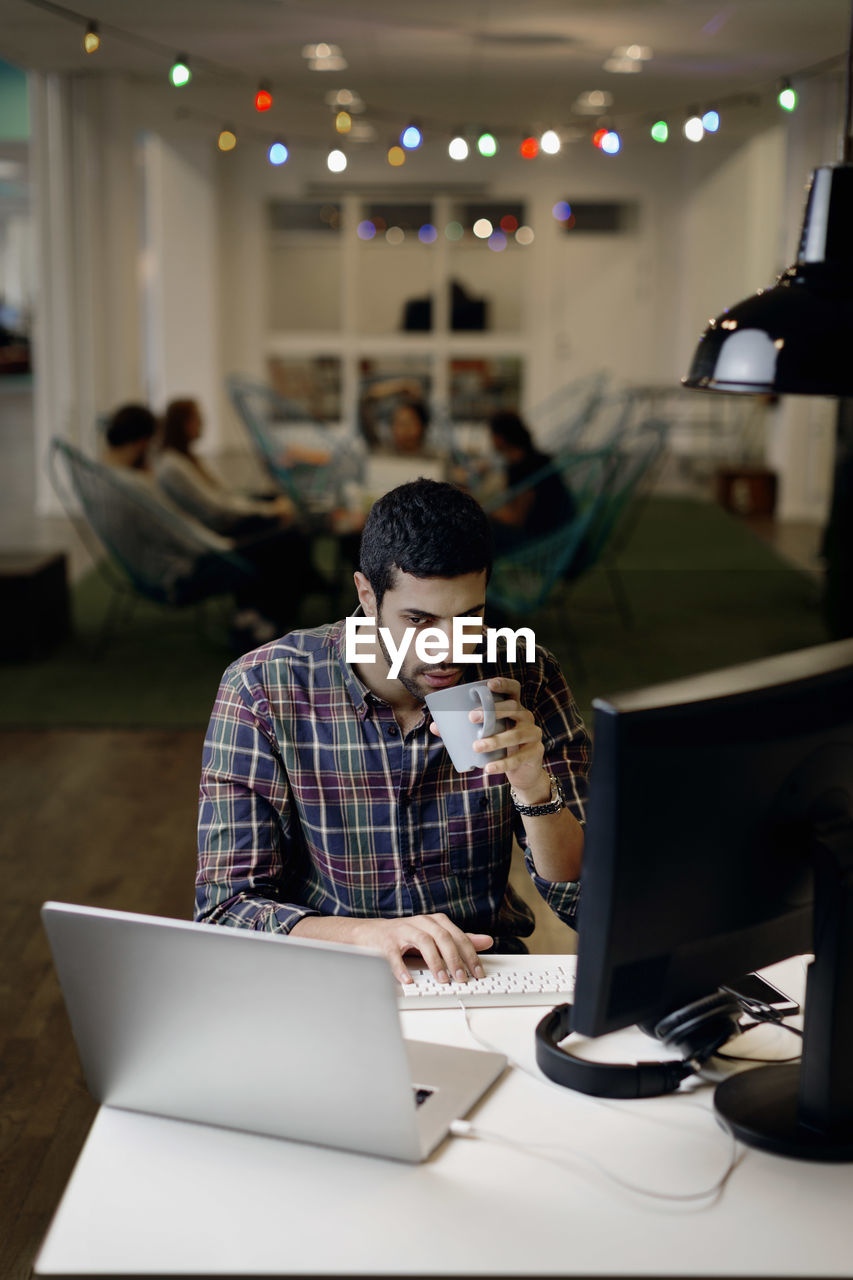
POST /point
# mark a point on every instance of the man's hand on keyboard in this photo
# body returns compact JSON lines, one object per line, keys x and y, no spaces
{"x":449,"y":952}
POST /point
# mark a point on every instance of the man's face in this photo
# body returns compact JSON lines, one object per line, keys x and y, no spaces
{"x":430,"y":602}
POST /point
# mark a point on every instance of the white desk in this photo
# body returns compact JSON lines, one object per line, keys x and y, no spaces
{"x":161,"y":1197}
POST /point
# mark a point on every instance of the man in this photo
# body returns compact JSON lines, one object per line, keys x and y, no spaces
{"x":328,"y":808}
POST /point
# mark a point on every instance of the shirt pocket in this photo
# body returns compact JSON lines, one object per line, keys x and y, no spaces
{"x":478,"y":831}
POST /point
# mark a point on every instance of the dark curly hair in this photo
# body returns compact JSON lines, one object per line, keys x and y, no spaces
{"x":130,"y":423}
{"x":428,"y":529}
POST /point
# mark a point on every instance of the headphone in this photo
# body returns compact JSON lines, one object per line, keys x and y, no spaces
{"x":697,"y":1031}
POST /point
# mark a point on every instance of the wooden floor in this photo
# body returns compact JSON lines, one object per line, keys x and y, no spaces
{"x":105,"y":818}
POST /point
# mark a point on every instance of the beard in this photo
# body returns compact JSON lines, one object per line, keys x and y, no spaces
{"x":409,"y":679}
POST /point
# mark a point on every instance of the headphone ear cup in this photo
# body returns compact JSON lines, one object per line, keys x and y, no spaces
{"x":699,"y":1029}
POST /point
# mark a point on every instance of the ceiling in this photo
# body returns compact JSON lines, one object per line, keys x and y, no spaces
{"x":514,"y":67}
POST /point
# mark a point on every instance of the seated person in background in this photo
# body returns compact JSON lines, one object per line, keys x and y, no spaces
{"x":328,"y":808}
{"x":195,"y":488}
{"x":537,"y":510}
{"x":280,"y":558}
{"x":409,"y":424}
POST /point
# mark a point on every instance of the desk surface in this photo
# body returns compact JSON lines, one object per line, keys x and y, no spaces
{"x":162,"y":1197}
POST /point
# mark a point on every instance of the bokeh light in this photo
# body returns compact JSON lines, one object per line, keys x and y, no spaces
{"x":336,"y":161}
{"x":458,"y":148}
{"x":482,"y":228}
{"x":427,"y":234}
{"x":660,"y":131}
{"x":366,"y":230}
{"x":529,"y":149}
{"x":524,"y":235}
{"x":487,"y":144}
{"x":550,"y":142}
{"x":454,"y":231}
{"x":562,"y":211}
{"x":396,"y":156}
{"x":411,"y":137}
{"x":278,"y":153}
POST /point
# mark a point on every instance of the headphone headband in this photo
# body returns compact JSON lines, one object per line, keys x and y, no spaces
{"x":697,"y":1030}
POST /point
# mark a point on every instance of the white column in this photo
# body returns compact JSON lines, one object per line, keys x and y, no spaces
{"x":180,"y":285}
{"x":54,"y":399}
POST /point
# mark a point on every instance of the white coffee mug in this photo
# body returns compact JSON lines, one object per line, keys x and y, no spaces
{"x":450,"y":708}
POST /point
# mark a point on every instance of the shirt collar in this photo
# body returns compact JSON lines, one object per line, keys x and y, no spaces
{"x":358,"y":691}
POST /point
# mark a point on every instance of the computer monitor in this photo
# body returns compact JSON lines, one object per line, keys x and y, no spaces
{"x":719,"y":840}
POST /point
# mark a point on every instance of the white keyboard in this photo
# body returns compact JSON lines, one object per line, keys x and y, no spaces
{"x":509,"y":980}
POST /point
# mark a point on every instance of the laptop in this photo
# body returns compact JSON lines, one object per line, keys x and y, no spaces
{"x":385,"y":471}
{"x":286,"y":1037}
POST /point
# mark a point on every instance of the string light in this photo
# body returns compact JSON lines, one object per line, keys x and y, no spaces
{"x":787,"y":97}
{"x":180,"y":73}
{"x":329,"y":57}
{"x":694,"y":130}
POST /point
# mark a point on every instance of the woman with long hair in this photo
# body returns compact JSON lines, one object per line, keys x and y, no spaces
{"x":194,"y":486}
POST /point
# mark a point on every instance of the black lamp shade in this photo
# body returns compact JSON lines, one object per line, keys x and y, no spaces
{"x":798,"y":336}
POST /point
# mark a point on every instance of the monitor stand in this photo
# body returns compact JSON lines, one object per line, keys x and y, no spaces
{"x":805,"y":1109}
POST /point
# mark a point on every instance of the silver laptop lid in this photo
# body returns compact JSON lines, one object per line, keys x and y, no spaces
{"x":281,"y":1036}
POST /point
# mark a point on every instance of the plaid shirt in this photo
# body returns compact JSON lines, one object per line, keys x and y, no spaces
{"x":313,"y":802}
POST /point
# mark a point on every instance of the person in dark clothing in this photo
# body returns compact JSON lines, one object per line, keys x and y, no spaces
{"x":539,"y":509}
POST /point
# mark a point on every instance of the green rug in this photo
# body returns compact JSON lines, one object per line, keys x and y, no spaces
{"x":703,"y":590}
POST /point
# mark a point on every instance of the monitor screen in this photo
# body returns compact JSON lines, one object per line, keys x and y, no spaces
{"x":719,"y":828}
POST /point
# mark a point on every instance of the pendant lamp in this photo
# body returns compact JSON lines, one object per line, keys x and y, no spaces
{"x":796,"y":337}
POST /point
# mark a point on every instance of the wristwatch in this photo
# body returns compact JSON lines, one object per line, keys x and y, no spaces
{"x":554,"y":805}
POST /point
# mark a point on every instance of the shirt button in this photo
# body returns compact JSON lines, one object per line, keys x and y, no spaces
{"x":392,"y":731}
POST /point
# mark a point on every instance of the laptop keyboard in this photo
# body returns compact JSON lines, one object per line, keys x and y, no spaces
{"x":504,"y":984}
